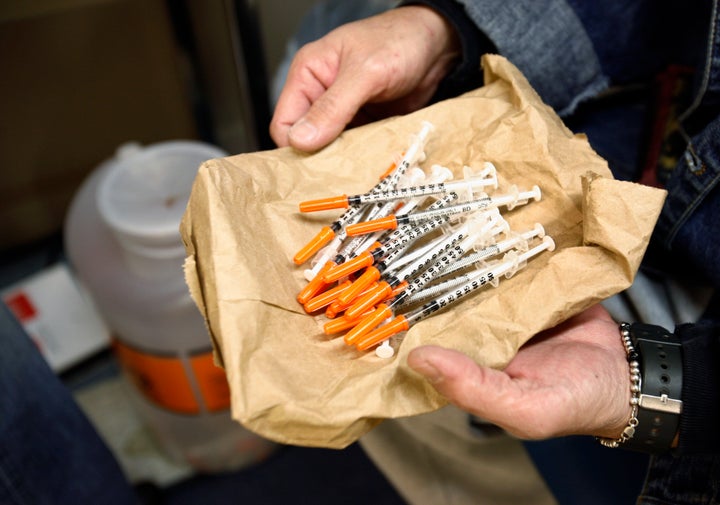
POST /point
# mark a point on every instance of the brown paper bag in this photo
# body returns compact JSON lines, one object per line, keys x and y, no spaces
{"x":293,"y":384}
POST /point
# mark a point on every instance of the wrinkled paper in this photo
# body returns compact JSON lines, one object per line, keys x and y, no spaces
{"x":293,"y":384}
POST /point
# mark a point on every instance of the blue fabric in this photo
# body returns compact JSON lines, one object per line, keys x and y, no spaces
{"x":631,"y":37}
{"x":547,"y":42}
{"x":682,"y":480}
{"x":49,"y":452}
{"x":688,"y":224}
{"x":687,"y":227}
{"x":579,"y":471}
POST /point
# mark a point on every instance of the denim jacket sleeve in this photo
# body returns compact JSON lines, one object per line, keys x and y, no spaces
{"x":544,"y":38}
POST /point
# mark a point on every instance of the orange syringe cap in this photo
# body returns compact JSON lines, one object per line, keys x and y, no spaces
{"x":362,"y":260}
{"x":368,"y":300}
{"x":366,"y":324}
{"x":316,"y":285}
{"x":360,"y":284}
{"x":390,"y":169}
{"x":325,"y":298}
{"x":343,"y":323}
{"x":383,"y":333}
{"x":334,"y":202}
{"x":385,"y":223}
{"x":325,"y":235}
{"x":336,"y":307}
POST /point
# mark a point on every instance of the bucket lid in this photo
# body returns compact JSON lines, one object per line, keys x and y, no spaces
{"x":144,"y":194}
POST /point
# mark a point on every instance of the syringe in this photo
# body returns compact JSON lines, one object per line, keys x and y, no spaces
{"x":398,"y":240}
{"x":345,"y":201}
{"x":393,"y":221}
{"x":403,"y":322}
{"x":441,"y":265}
{"x":517,"y":241}
{"x":396,"y":282}
{"x":333,"y":254}
{"x":478,"y":226}
{"x":387,"y":182}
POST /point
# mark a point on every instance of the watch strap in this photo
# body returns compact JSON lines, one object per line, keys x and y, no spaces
{"x":659,"y":406}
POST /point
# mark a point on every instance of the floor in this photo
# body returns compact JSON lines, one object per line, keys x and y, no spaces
{"x":290,"y":474}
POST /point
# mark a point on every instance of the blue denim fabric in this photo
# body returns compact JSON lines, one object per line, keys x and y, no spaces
{"x":635,"y":39}
{"x":617,"y":130}
{"x":547,"y":42}
{"x":709,"y":93}
{"x":49,"y":452}
{"x":682,"y":480}
{"x":687,"y":227}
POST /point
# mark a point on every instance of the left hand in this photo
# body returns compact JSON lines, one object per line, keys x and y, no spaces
{"x":572,"y":379}
{"x":376,"y":67}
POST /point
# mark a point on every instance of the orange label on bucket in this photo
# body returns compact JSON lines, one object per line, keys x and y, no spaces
{"x":164,"y":379}
{"x":212,"y":382}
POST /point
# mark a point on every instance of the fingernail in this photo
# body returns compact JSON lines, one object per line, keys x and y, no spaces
{"x":303,"y":131}
{"x":429,"y":371}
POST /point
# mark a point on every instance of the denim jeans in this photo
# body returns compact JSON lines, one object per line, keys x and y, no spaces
{"x":49,"y":451}
{"x":682,"y":480}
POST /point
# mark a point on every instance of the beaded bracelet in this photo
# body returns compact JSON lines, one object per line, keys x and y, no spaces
{"x":632,"y":357}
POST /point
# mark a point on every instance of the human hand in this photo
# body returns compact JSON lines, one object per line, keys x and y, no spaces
{"x":362,"y":71}
{"x":572,"y":379}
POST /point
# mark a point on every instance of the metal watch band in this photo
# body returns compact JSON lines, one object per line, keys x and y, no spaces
{"x":660,"y":357}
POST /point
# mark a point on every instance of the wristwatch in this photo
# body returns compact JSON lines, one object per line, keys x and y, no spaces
{"x":660,"y":405}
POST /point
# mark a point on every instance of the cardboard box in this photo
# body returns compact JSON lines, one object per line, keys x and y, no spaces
{"x":80,"y":78}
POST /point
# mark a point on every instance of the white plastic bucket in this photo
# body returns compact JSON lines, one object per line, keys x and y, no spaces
{"x":122,"y":237}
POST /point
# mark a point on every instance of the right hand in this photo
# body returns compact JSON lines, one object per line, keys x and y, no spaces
{"x":573,"y":379}
{"x":373,"y":68}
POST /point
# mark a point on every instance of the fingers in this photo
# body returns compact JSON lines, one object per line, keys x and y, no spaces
{"x":330,"y":113}
{"x":325,"y":87}
{"x":309,"y":76}
{"x":308,"y":122}
{"x":401,"y":53}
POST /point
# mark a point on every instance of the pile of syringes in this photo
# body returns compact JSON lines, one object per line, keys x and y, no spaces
{"x":413,"y":245}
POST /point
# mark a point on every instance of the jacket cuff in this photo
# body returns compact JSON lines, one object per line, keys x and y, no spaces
{"x":700,"y":416}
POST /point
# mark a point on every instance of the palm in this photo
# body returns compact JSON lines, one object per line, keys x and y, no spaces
{"x":572,"y":379}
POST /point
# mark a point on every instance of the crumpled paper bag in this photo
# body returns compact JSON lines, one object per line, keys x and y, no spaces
{"x":293,"y":384}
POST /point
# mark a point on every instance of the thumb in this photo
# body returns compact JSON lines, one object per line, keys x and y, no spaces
{"x":475,"y":389}
{"x":328,"y":116}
